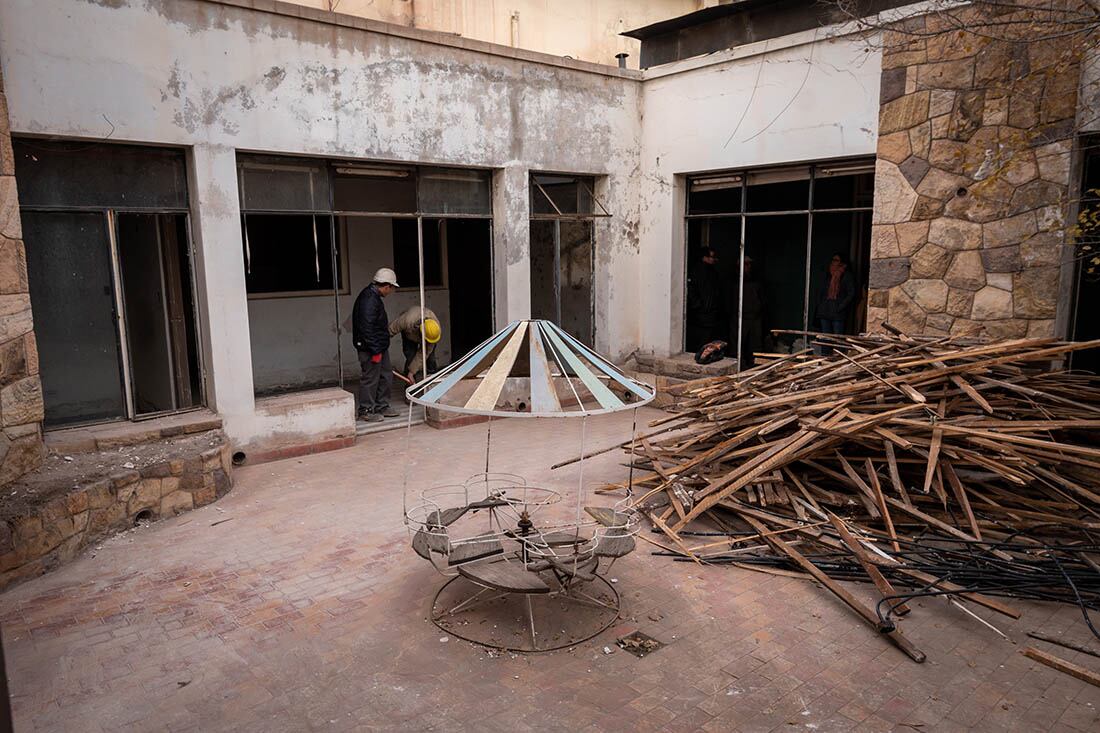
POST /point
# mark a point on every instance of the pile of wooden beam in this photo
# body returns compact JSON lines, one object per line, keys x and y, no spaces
{"x":926,"y":466}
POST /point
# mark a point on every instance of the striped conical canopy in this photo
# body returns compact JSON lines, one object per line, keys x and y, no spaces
{"x":531,"y":369}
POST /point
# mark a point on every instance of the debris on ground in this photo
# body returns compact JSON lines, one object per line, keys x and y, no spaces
{"x":928,"y":466}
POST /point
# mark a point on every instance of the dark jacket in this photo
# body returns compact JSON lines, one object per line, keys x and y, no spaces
{"x":370,"y":327}
{"x":705,"y":294}
{"x":837,"y":310}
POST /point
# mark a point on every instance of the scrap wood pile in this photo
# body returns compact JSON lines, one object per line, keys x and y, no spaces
{"x":927,"y":466}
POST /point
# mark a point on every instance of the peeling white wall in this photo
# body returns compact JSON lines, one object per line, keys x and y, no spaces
{"x":796,"y":98}
{"x":217,"y":79}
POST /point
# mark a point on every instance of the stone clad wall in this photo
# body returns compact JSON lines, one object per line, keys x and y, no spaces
{"x":21,"y":411}
{"x":972,"y":181}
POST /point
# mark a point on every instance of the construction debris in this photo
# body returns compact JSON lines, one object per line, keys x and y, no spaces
{"x":928,"y":466}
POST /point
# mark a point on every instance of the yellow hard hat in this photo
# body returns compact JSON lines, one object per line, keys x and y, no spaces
{"x":432,"y":331}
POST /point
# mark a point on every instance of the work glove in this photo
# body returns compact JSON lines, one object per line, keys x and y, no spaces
{"x":376,"y":358}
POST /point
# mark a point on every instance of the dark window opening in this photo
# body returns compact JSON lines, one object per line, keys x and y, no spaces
{"x":374,"y":189}
{"x":564,"y":195}
{"x":1086,"y":326}
{"x":562,"y":236}
{"x":789,"y":243}
{"x":406,"y":257}
{"x":290,"y":254}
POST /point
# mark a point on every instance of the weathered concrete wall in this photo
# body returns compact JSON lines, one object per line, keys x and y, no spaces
{"x":220,"y":78}
{"x":797,"y":98}
{"x":21,"y":409}
{"x":973,"y":179}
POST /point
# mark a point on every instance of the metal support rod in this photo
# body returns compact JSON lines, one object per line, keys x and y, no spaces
{"x":809,"y":254}
{"x":633,"y":439}
{"x":420,"y":261}
{"x":531,"y":618}
{"x":557,"y":272}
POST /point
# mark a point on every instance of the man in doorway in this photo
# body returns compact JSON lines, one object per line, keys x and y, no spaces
{"x":704,"y":300}
{"x":752,"y":303}
{"x":371,"y":335}
{"x":412,"y":328}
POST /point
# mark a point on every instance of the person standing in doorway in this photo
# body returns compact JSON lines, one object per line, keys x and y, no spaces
{"x":836,"y":298}
{"x":704,"y":308}
{"x":413,"y":327}
{"x":371,"y":335}
{"x":753,"y":311}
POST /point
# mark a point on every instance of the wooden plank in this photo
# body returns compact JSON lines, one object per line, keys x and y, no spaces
{"x":1073,"y":670}
{"x":873,"y":572}
{"x":486,"y":395}
{"x":933,"y":458}
{"x":599,"y":362}
{"x":895,"y":476}
{"x":508,"y":577}
{"x":880,"y":498}
{"x":544,"y":396}
{"x":960,"y":495}
{"x":868,"y":615}
{"x":607,"y":399}
{"x":468,"y":366}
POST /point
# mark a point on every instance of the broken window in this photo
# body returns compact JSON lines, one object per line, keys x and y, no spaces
{"x":109,"y":263}
{"x":289,"y":255}
{"x":406,"y":256}
{"x":563,"y":213}
{"x":311,"y":247}
{"x":760,"y":245}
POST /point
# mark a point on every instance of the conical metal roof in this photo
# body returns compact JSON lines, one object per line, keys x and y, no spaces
{"x":531,"y":369}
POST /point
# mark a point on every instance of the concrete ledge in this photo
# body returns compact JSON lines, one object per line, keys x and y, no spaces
{"x":51,"y":514}
{"x":294,"y":424}
{"x":683,"y":366}
{"x":118,"y":434}
{"x":441,"y":420}
{"x":293,"y":451}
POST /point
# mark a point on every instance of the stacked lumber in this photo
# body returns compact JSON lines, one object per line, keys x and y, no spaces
{"x":928,"y":466}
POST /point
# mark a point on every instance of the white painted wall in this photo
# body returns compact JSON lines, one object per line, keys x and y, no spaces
{"x":218,"y":78}
{"x":796,"y":98}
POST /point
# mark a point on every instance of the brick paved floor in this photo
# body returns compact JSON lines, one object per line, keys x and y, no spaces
{"x":295,"y":604}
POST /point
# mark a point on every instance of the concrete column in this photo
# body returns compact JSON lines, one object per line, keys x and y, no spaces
{"x":511,"y":244}
{"x":219,"y":275}
{"x":661,"y":269}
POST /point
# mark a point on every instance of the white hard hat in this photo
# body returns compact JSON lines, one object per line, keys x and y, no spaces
{"x":386,"y":276}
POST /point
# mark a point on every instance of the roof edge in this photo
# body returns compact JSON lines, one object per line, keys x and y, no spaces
{"x":343,"y":20}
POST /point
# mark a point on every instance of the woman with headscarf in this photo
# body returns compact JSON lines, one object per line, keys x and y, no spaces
{"x":836,"y":297}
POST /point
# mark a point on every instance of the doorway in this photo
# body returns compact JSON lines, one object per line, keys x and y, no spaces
{"x":109,"y":268}
{"x":1086,"y":300}
{"x":759,"y":247}
{"x":564,"y":209}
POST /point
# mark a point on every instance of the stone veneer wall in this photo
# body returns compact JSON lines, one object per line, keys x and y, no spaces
{"x":51,"y":534}
{"x":21,"y":411}
{"x":972,"y":180}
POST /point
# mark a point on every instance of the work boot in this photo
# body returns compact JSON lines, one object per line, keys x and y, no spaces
{"x":372,"y":417}
{"x":390,"y":412}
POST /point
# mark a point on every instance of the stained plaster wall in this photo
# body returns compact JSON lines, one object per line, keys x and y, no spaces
{"x":797,"y":98}
{"x":215,"y":78}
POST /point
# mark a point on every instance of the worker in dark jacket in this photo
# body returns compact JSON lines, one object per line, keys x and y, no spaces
{"x":704,"y":306}
{"x":836,"y":298}
{"x":371,"y":335}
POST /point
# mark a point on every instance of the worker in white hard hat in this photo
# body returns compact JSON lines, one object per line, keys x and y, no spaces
{"x":415,"y":330}
{"x":371,"y":335}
